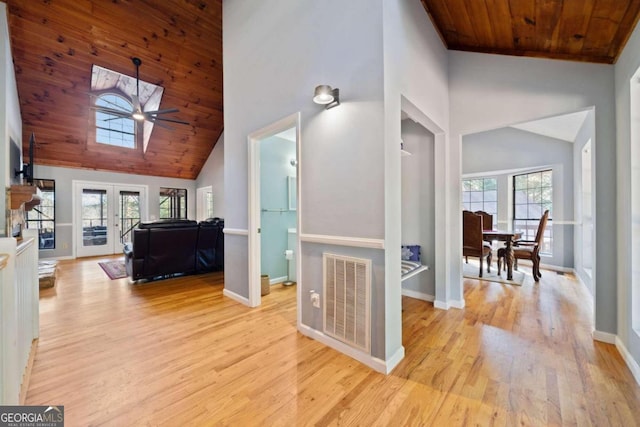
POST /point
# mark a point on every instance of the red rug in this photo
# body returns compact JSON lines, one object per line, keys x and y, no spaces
{"x":114,"y":269}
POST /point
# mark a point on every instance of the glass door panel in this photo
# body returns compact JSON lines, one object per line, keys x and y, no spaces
{"x":129,"y":213}
{"x":95,"y":205}
{"x":105,"y":216}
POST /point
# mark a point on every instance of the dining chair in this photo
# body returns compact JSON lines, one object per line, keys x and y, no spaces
{"x":527,"y":249}
{"x":487,"y":222}
{"x":472,"y":243}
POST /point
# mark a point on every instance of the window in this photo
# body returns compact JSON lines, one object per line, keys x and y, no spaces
{"x":480,"y":194}
{"x":173,"y":203}
{"x":208,"y":206}
{"x":532,"y":195}
{"x":42,"y":216}
{"x":112,"y":129}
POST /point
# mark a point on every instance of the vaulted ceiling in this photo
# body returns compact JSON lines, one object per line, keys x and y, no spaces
{"x":579,"y":30}
{"x":54,"y":45}
{"x":56,"y":42}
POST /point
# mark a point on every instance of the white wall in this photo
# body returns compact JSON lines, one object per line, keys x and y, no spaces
{"x":64,"y":178}
{"x":584,"y":225}
{"x":628,"y":207}
{"x":508,"y":149}
{"x":10,"y":119}
{"x":491,"y":91}
{"x":212,"y":174}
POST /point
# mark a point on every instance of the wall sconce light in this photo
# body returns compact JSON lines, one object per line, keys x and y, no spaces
{"x":324,"y":95}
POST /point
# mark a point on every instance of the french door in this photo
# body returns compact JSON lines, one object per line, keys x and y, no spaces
{"x":105,"y":215}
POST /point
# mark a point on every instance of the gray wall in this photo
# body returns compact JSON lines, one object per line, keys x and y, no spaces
{"x":418,"y":203}
{"x":64,"y":178}
{"x":271,"y":69}
{"x":212,"y":174}
{"x":491,"y":153}
{"x":628,"y":207}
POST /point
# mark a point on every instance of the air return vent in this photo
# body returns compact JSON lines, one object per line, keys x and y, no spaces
{"x":347,"y":289}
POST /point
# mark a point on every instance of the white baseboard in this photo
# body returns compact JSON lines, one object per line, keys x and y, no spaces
{"x":374,"y":363}
{"x":631,"y":363}
{"x":418,"y":295}
{"x":278,"y":280}
{"x":446,"y":305}
{"x":239,"y":298}
{"x":57,"y":258}
{"x":457,"y":304}
{"x":604,"y":337}
{"x":441,"y":305}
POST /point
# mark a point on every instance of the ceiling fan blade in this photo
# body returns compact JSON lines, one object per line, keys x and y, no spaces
{"x":106,"y":110}
{"x":108,"y":102}
{"x":162,"y":125}
{"x":168,"y":120}
{"x":164,"y":111}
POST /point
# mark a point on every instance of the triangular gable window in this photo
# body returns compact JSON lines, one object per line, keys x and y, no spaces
{"x":114,"y":91}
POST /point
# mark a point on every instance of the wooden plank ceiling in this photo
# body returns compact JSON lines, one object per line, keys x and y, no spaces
{"x":579,"y":30}
{"x":56,"y":42}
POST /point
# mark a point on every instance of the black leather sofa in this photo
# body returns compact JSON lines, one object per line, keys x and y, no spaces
{"x":167,"y":248}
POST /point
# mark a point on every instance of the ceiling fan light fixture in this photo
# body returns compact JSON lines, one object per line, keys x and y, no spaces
{"x":138,"y":115}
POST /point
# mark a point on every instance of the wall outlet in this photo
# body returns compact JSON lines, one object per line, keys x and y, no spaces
{"x":65,"y":245}
{"x":315,"y":299}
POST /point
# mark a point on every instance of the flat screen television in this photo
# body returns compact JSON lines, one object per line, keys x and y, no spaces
{"x":17,"y":162}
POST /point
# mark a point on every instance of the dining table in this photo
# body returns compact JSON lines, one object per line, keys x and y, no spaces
{"x":508,"y":237}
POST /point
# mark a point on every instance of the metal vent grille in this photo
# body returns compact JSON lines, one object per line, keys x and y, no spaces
{"x":347,"y":289}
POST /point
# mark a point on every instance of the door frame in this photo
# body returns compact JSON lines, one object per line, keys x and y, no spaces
{"x":113,"y":189}
{"x":253,"y":140}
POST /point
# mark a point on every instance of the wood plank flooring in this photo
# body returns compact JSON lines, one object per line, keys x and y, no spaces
{"x":176,"y":352}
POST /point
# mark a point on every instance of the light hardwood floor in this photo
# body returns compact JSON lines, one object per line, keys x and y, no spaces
{"x":176,"y":352}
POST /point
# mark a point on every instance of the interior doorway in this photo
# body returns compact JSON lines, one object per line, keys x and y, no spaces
{"x":274,"y":214}
{"x":104,"y":216}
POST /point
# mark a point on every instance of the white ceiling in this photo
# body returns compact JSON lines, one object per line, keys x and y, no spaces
{"x":564,"y":127}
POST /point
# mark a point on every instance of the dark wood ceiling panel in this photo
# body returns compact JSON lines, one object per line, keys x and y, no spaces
{"x":580,"y":30}
{"x":56,"y":42}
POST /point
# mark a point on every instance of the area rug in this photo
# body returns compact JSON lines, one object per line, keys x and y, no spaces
{"x":470,"y":271}
{"x":114,"y":269}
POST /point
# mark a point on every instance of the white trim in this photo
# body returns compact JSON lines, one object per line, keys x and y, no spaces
{"x":235,"y":231}
{"x":393,"y":361}
{"x":457,"y":304}
{"x":418,"y":295}
{"x":441,"y":305}
{"x":358,"y":242}
{"x":238,"y":298}
{"x":631,"y":363}
{"x":449,"y":304}
{"x":604,"y":337}
{"x":278,"y":280}
{"x":253,"y":202}
{"x":56,"y":258}
{"x":379,"y":365}
{"x":415,"y":272}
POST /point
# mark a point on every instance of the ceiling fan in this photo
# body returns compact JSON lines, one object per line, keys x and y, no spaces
{"x":137,"y":114}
